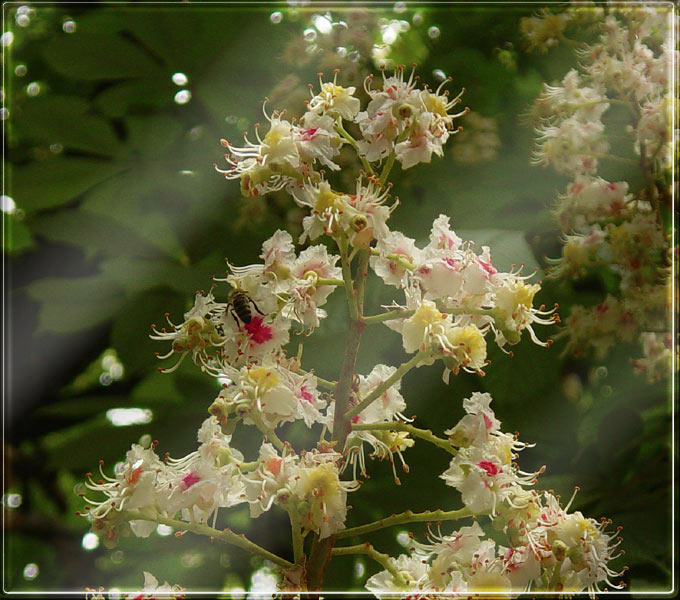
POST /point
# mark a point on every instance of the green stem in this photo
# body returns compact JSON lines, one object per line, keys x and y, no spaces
{"x":256,"y":418}
{"x":387,"y":168}
{"x":227,"y":535}
{"x":324,"y":383}
{"x":347,"y":277}
{"x":429,"y":516}
{"x":324,"y":281}
{"x":397,"y":258}
{"x":298,"y":551}
{"x":246,"y":467}
{"x":341,"y":130}
{"x":362,"y":274}
{"x":387,"y":384}
{"x":424,"y":434}
{"x":379,"y":557}
{"x":402,"y":313}
{"x":399,"y":313}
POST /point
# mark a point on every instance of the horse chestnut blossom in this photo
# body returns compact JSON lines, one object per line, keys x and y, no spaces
{"x":452,"y":301}
{"x":548,"y":547}
{"x":615,"y":229}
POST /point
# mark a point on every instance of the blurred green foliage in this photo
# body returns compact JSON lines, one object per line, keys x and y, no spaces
{"x":120,"y":218}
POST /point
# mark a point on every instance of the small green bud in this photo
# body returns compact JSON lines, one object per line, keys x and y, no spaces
{"x":560,"y":550}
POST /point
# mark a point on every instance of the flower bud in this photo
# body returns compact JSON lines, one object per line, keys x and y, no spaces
{"x":576,"y":557}
{"x":559,"y":549}
{"x":303,"y":508}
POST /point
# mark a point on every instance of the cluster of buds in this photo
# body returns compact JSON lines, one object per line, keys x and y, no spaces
{"x":616,"y":228}
{"x":548,"y":548}
{"x":453,"y":297}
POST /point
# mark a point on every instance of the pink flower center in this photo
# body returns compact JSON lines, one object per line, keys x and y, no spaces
{"x":309,"y":134}
{"x":490,"y":468}
{"x":355,"y":419}
{"x":259,"y":333}
{"x":305,"y":395}
{"x":190,"y":479}
{"x":487,"y":422}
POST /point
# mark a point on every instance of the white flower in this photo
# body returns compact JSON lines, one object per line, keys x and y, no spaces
{"x":483,"y":470}
{"x":276,"y":393}
{"x":152,"y":590}
{"x":274,"y":474}
{"x":321,"y":495}
{"x":389,"y":270}
{"x":278,"y":253}
{"x":335,"y":99}
{"x":317,"y":140}
{"x":571,"y":146}
{"x":364,"y":214}
{"x":414,"y":574}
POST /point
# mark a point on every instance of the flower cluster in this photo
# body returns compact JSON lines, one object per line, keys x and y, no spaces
{"x":215,"y":476}
{"x":453,"y":297}
{"x":255,"y":321}
{"x":548,"y":548}
{"x":612,"y":229}
{"x":401,"y":121}
{"x":145,"y":486}
{"x":308,"y":486}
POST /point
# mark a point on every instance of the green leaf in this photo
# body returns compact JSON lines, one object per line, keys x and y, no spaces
{"x":97,"y":56}
{"x":66,"y":120}
{"x":130,"y":333}
{"x":153,"y":135}
{"x":69,"y":305}
{"x":50,"y":183}
{"x":122,"y":98}
{"x":17,"y":237}
{"x":94,"y":233}
{"x":131,"y":202}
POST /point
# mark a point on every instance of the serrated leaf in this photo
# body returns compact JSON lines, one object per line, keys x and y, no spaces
{"x":50,"y":183}
{"x":97,"y":56}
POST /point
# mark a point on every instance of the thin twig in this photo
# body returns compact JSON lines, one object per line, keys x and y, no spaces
{"x":429,"y":516}
{"x":226,"y":535}
{"x":424,"y":434}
